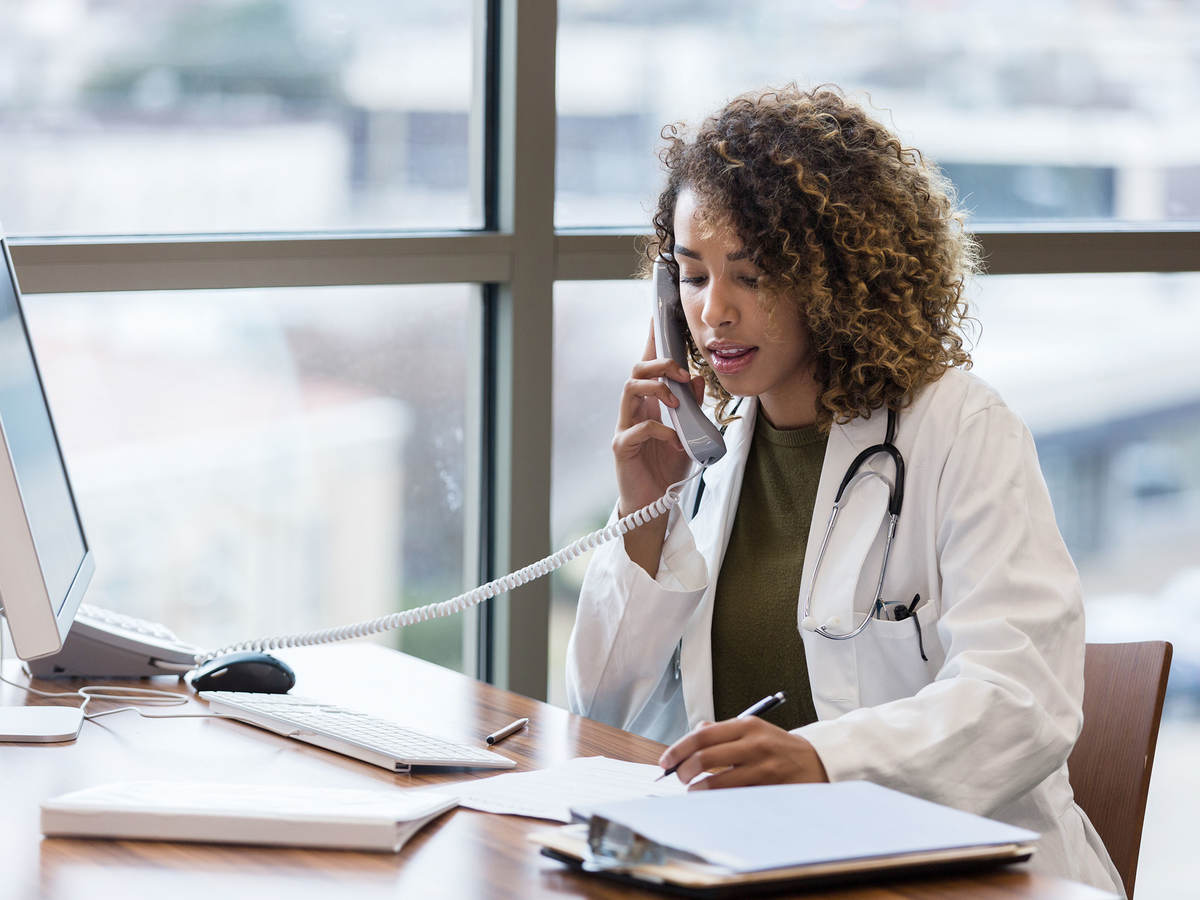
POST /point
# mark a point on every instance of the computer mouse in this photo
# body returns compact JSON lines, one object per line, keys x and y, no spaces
{"x":248,"y":671}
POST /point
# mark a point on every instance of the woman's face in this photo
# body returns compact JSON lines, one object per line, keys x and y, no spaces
{"x":753,"y":352}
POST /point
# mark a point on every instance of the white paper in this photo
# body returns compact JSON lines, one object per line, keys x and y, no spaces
{"x":281,"y":815}
{"x":552,"y":793}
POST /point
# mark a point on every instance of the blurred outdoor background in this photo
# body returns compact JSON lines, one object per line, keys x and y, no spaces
{"x":255,"y":460}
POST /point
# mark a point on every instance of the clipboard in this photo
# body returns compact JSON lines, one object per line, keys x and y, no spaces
{"x":730,"y":843}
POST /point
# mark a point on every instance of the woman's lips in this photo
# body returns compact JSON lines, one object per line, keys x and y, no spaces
{"x":731,"y":360}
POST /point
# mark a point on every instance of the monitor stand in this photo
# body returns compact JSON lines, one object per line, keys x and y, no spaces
{"x":39,"y":724}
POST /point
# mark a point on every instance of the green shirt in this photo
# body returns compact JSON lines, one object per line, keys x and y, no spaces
{"x":756,"y":647}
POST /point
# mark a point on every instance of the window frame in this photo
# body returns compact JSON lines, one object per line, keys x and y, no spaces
{"x":516,"y":258}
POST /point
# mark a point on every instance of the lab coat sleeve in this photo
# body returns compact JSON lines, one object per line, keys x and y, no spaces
{"x":1005,"y":708}
{"x":628,"y":624}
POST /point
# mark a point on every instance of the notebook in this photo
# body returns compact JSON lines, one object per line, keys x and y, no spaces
{"x":725,"y":842}
{"x":283,"y":815}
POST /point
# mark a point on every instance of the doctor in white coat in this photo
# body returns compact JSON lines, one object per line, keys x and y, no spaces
{"x":820,"y":271}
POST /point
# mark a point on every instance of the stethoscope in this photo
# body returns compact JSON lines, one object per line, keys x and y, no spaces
{"x":852,"y":477}
{"x":854,"y":474}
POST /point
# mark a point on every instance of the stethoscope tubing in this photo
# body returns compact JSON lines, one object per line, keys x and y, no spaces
{"x":854,"y":474}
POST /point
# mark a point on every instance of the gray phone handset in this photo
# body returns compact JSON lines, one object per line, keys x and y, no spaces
{"x":700,"y":437}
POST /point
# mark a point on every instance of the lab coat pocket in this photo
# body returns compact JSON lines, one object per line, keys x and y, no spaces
{"x":889,"y":658}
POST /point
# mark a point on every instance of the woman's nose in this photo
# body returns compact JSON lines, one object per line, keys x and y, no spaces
{"x":719,"y":307}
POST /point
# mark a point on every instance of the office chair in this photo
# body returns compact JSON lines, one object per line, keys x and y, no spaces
{"x":1109,"y":768}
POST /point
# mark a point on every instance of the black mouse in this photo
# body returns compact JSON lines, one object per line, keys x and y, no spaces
{"x":258,"y":673}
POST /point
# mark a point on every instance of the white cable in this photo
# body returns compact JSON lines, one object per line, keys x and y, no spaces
{"x":149,"y":696}
{"x":146,"y":715}
{"x":472,"y":598}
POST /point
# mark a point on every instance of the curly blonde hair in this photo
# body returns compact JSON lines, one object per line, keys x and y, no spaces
{"x":860,"y":232}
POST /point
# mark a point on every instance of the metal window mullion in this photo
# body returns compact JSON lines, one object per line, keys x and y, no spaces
{"x":1043,"y":250}
{"x":522,"y":318}
{"x":1066,"y":252}
{"x":165,"y":264}
{"x":172,"y":264}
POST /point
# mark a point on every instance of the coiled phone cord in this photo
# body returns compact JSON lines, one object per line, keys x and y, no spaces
{"x":472,"y":598}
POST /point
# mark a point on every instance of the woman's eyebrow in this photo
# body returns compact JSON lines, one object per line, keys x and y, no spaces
{"x":681,"y":250}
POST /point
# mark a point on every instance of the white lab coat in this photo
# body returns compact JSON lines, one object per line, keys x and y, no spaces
{"x":987,"y":723}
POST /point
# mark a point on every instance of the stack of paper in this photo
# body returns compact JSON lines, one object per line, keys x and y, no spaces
{"x":284,"y":815}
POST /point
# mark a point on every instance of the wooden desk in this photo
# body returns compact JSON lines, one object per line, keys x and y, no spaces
{"x":464,"y":854}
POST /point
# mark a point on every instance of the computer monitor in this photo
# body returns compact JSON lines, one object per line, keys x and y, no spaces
{"x":45,"y":563}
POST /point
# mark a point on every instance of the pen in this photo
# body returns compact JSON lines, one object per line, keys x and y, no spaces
{"x":504,"y":732}
{"x":766,"y":704}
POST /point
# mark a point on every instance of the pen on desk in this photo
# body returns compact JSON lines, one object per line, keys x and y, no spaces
{"x":766,"y":704}
{"x":511,"y":728}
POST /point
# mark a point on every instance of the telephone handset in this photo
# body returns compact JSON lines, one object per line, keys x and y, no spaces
{"x":700,"y":437}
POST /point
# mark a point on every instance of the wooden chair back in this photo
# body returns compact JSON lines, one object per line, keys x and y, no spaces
{"x":1124,"y":685}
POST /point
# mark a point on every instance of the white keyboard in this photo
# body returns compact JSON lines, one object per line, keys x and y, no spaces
{"x":380,"y":742}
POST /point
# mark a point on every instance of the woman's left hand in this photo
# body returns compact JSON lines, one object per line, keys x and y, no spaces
{"x":743,"y":752}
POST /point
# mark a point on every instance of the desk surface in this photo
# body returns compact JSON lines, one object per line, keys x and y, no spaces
{"x":464,"y":854}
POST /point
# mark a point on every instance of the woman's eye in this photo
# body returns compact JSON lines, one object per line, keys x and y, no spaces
{"x":691,"y":279}
{"x":751,"y":280}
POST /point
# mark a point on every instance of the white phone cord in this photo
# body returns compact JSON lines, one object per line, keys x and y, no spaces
{"x":148,"y":696}
{"x":472,"y":598}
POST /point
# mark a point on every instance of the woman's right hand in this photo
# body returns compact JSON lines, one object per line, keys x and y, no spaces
{"x":649,"y":456}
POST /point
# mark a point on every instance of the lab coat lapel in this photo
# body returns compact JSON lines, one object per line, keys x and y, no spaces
{"x":711,"y":529}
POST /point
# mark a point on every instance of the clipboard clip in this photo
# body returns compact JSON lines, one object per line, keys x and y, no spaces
{"x":614,"y":847}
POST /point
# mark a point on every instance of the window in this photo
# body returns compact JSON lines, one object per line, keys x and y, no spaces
{"x":127,"y":117}
{"x":1036,"y":110}
{"x":1102,"y":368}
{"x":256,"y":462}
{"x":600,"y":330}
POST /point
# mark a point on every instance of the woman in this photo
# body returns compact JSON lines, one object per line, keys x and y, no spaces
{"x":821,"y":269}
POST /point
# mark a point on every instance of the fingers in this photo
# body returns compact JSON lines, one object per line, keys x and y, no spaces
{"x":685,"y":750}
{"x":645,"y":383}
{"x":639,"y":389}
{"x":649,"y":351}
{"x":742,"y":751}
{"x":735,"y":776}
{"x":628,"y":440}
{"x":652,"y":368}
